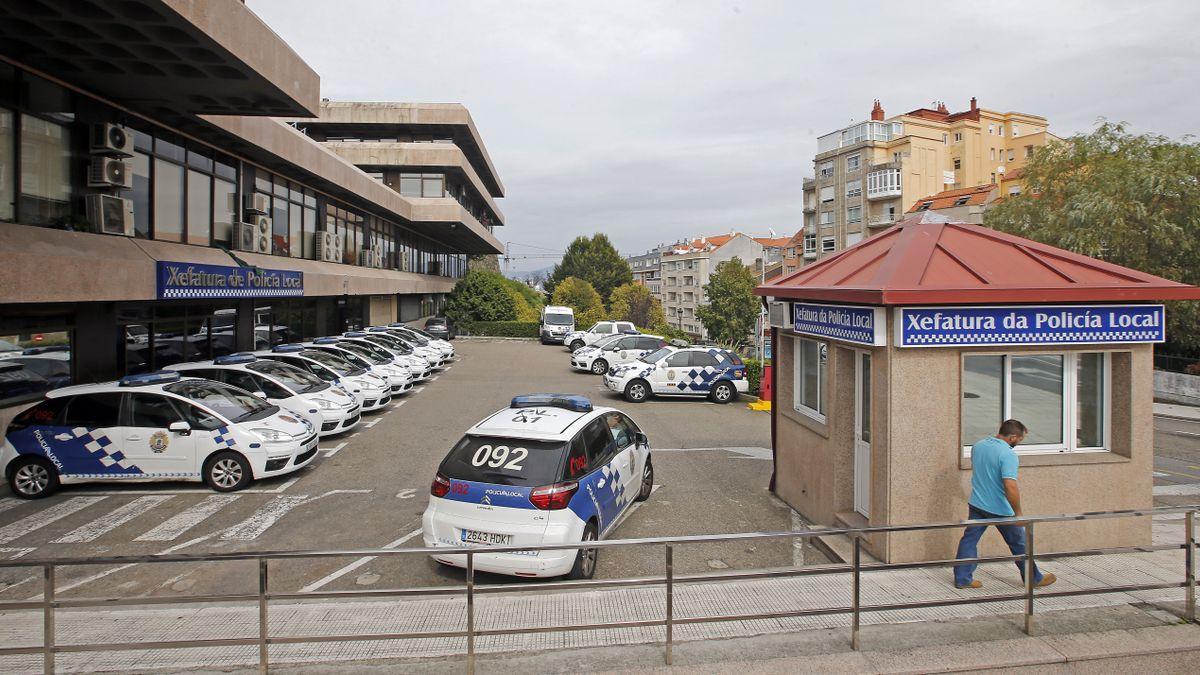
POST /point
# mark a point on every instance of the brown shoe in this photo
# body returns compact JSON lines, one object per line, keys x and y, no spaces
{"x":1047,"y":579}
{"x":974,"y":584}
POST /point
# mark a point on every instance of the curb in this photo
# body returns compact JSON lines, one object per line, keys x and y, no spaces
{"x":494,"y":337}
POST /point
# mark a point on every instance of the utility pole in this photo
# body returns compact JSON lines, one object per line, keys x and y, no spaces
{"x":507,"y":258}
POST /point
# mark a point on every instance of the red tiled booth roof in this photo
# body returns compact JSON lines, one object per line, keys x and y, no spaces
{"x":927,"y":259}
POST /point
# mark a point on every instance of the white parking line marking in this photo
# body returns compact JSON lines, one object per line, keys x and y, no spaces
{"x":7,"y":503}
{"x":11,"y":553}
{"x":43,"y":518}
{"x":332,"y":576}
{"x":1159,"y":474}
{"x":119,"y":568}
{"x":1181,"y":490}
{"x":334,"y":450}
{"x":111,"y":520}
{"x":407,"y":493}
{"x":268,"y":514}
{"x":434,"y":378}
{"x":171,"y":528}
{"x":372,"y":422}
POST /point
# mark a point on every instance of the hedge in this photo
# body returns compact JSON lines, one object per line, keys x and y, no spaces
{"x":754,"y":373}
{"x":522,"y":329}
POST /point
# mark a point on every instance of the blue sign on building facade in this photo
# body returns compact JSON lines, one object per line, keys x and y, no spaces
{"x":848,"y":323}
{"x":182,"y":280}
{"x":1008,"y":325}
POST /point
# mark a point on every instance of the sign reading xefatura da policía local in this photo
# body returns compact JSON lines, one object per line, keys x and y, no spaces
{"x":847,"y":323}
{"x":180,"y":280}
{"x":1029,"y":325}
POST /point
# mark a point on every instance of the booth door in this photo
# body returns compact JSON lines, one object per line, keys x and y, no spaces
{"x":862,"y":433}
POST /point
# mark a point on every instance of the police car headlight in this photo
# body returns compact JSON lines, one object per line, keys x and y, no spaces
{"x":272,"y":435}
{"x":325,"y":405}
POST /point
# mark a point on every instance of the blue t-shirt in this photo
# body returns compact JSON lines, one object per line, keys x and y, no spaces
{"x":992,"y":460}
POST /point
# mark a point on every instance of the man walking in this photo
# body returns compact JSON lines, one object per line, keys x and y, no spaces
{"x":994,"y":494}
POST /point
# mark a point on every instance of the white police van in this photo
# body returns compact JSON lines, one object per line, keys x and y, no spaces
{"x":418,"y":366}
{"x":432,"y":356}
{"x":692,"y":371}
{"x":332,"y":409}
{"x":372,"y":391}
{"x":557,"y":321}
{"x":599,"y":331}
{"x":614,"y":351}
{"x":427,"y":340}
{"x":152,"y":427}
{"x":548,"y":469}
{"x":396,"y":374}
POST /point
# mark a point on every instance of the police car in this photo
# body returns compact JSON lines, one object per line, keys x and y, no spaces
{"x":548,"y":469}
{"x":599,"y":331}
{"x":614,"y":351}
{"x":418,"y":366}
{"x":332,"y":409}
{"x":431,"y":355}
{"x":396,"y":374}
{"x":372,"y":391}
{"x":427,"y":340}
{"x":692,"y":371}
{"x":156,"y":426}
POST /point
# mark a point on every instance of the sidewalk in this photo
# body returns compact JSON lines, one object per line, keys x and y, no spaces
{"x":511,"y":610}
{"x":1181,"y":412}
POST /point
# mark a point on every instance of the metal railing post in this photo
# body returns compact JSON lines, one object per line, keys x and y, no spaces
{"x":1029,"y":578}
{"x":263,"y":628}
{"x":48,"y":618}
{"x":856,"y":574}
{"x":1189,"y":563}
{"x":670,"y":602}
{"x":470,"y":613}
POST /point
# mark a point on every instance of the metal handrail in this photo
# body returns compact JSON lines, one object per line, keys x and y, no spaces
{"x":50,"y":603}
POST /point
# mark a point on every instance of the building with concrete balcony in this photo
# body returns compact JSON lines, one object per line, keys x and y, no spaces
{"x":870,"y":173}
{"x":157,"y":206}
{"x":647,"y":269}
{"x":686,"y":268}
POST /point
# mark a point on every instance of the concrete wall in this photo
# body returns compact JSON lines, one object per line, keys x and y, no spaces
{"x":918,"y":474}
{"x":1177,"y":387}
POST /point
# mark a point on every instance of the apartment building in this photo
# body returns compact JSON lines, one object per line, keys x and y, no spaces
{"x":647,"y":269}
{"x":155,"y":207}
{"x":870,"y":173}
{"x":686,"y":268}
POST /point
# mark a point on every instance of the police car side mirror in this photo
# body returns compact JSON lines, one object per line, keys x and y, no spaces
{"x":641,"y":440}
{"x":181,"y":428}
{"x":259,"y":394}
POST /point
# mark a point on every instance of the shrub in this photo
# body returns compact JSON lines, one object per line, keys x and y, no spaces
{"x":521,"y":329}
{"x":754,"y":369}
{"x":581,"y":297}
{"x":480,"y":296}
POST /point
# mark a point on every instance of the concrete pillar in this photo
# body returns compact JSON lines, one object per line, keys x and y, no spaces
{"x":97,"y":343}
{"x":244,"y":329}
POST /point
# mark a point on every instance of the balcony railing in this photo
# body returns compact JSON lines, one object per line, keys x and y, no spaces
{"x":881,"y":220}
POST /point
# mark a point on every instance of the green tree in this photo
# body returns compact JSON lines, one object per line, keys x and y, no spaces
{"x":1133,"y":200}
{"x":732,"y":309}
{"x":635,"y":302}
{"x":481,"y":296}
{"x":581,"y":297}
{"x":594,"y":260}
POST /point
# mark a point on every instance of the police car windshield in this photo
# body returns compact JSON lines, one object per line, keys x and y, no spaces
{"x":559,"y":319}
{"x":354,"y":359}
{"x":233,"y":404}
{"x":365,"y":352}
{"x":655,"y":355}
{"x":301,"y":381}
{"x":604,"y":342}
{"x":333,"y":362}
{"x":505,"y":461}
{"x":412,"y":337}
{"x":392,"y":343}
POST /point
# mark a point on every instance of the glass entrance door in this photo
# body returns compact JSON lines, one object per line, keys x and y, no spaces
{"x":862,"y":433}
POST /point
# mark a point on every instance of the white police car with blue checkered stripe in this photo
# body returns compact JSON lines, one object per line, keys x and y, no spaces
{"x":372,"y":391}
{"x":445,"y":347}
{"x":396,"y":374}
{"x":401,"y":351}
{"x":548,"y":469}
{"x":156,"y":426}
{"x":615,"y":351}
{"x":691,"y":371}
{"x":433,"y":356}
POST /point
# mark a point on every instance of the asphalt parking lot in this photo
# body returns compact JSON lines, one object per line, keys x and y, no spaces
{"x":368,"y":489}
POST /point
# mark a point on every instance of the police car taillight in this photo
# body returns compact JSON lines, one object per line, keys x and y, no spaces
{"x":553,"y":497}
{"x":440,"y":486}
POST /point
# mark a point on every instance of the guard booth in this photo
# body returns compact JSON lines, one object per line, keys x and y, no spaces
{"x":895,"y":356}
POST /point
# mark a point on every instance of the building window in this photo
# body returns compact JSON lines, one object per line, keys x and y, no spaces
{"x":958,"y":137}
{"x":825,"y":218}
{"x":168,"y":200}
{"x":1028,"y":152}
{"x":882,"y":183}
{"x":945,"y":139}
{"x":853,"y":238}
{"x":7,"y":158}
{"x":853,"y":163}
{"x":1015,"y":131}
{"x":854,"y":214}
{"x":825,"y":170}
{"x":1010,"y":155}
{"x":827,"y":194}
{"x":45,"y":182}
{"x":1000,"y":130}
{"x":992,"y":154}
{"x":957,"y":163}
{"x":199,"y":207}
{"x":810,"y":243}
{"x":993,"y":177}
{"x":809,"y":378}
{"x":422,"y":185}
{"x":1062,"y":397}
{"x":828,"y":244}
{"x":854,"y":188}
{"x":991,"y":130}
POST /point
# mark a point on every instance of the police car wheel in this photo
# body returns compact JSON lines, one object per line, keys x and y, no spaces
{"x":576,"y":345}
{"x":636,"y":391}
{"x":723,"y":392}
{"x":32,"y":478}
{"x":227,"y":472}
{"x":599,"y":366}
{"x":585,"y":558}
{"x":647,"y":482}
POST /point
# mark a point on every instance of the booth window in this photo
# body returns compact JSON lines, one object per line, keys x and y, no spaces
{"x":810,"y":357}
{"x":1062,"y":398}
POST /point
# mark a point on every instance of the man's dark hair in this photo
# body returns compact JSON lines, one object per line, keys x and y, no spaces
{"x":1013,"y":428}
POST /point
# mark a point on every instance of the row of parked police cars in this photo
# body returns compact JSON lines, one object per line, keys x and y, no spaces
{"x":225,"y":422}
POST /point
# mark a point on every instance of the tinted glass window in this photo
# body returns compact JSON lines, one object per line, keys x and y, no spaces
{"x":93,"y":410}
{"x":335,"y":363}
{"x":649,"y":343}
{"x":578,"y":460}
{"x":152,"y":410}
{"x":598,"y":440}
{"x":621,"y":428}
{"x":296,"y":378}
{"x":234,"y":404}
{"x":241,"y":380}
{"x":679,"y":359}
{"x":559,"y":319}
{"x":733,"y":359}
{"x":365,"y":352}
{"x":701,"y":359}
{"x":199,"y":418}
{"x":654,"y":356}
{"x":603,"y":328}
{"x":46,"y":413}
{"x":504,"y":461}
{"x":45,"y":367}
{"x":271,"y":389}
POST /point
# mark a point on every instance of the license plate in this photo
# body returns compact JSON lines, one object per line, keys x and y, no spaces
{"x":486,"y":538}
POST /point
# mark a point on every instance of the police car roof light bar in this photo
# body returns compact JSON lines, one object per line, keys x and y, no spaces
{"x":630,"y":331}
{"x":574,"y":402}
{"x":378,"y":329}
{"x":326,"y":341}
{"x":146,"y":379}
{"x":293,"y":347}
{"x":355,"y":334}
{"x":231,"y":359}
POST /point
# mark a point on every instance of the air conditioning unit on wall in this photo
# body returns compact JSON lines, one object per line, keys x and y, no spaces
{"x":329,"y":246}
{"x":366,"y":258}
{"x":254,"y":236}
{"x":106,"y":172}
{"x":112,"y":140}
{"x":110,"y":214}
{"x":255,"y":203}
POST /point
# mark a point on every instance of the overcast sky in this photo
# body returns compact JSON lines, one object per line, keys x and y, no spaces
{"x":652,"y":121}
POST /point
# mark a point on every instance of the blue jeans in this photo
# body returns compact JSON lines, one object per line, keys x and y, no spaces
{"x":968,"y":546}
